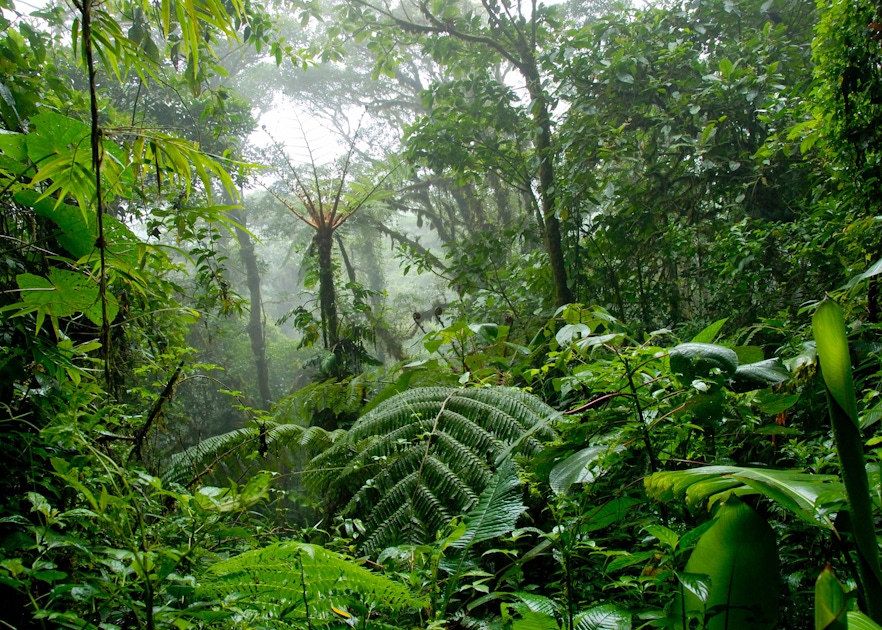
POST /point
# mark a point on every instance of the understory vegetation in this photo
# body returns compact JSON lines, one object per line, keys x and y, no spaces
{"x":440,"y":314}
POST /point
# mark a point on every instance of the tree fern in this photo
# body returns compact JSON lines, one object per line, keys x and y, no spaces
{"x":424,"y":456}
{"x":230,"y":455}
{"x":297,"y":585}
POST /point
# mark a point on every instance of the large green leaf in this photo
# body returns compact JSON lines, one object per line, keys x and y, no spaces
{"x":740,"y":555}
{"x":701,"y":360}
{"x":830,"y":606}
{"x":710,"y":332}
{"x":811,"y":497}
{"x":579,"y":467}
{"x":759,"y":375}
{"x":859,"y":621}
{"x":63,"y":294}
{"x":828,"y":328}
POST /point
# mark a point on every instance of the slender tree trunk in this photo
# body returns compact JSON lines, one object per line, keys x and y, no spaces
{"x":544,"y":150}
{"x":255,"y":326}
{"x":324,"y":243}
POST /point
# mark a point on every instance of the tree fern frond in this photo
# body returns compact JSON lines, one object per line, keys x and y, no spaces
{"x":401,"y":527}
{"x":498,"y":508}
{"x":286,"y":579}
{"x":425,"y":455}
{"x":228,"y":452}
{"x":198,"y":460}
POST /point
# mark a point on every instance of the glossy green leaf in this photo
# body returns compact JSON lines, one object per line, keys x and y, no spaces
{"x":859,"y":621}
{"x":698,"y":584}
{"x":828,"y":327}
{"x":710,"y":332}
{"x":701,"y":360}
{"x":759,"y":375}
{"x":830,"y":606}
{"x":810,"y":497}
{"x":740,"y":556}
{"x":603,"y":617}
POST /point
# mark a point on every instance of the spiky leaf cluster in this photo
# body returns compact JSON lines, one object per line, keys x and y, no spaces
{"x":419,"y":459}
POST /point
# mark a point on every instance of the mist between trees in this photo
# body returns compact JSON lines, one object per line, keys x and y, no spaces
{"x":440,"y":314}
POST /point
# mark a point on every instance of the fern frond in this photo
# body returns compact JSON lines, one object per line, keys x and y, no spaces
{"x":228,"y":452}
{"x":498,"y":508}
{"x":198,"y":460}
{"x":421,"y":457}
{"x":285,"y":580}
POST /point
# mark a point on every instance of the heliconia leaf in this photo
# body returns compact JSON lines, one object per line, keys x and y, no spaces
{"x":740,"y":556}
{"x":811,"y":497}
{"x":830,"y":607}
{"x":828,"y":327}
{"x":859,"y":621}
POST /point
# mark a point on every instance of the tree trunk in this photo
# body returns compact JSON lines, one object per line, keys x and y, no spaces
{"x":552,"y":235}
{"x":255,"y":320}
{"x":324,"y":243}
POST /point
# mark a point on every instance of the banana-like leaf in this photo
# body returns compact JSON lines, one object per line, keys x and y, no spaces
{"x":810,"y":497}
{"x":740,"y":556}
{"x":828,"y":328}
{"x":830,"y":606}
{"x":859,"y":621}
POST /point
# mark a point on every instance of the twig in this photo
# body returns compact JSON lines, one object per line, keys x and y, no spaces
{"x":166,"y":395}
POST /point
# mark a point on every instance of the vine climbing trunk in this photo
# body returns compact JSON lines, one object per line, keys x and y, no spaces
{"x":85,"y":8}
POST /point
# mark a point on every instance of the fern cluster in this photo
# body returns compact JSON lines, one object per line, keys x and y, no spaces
{"x":420,"y":458}
{"x":298,"y":585}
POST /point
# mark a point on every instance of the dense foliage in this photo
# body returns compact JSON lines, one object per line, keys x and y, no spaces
{"x":620,"y":370}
